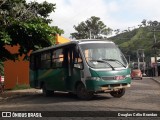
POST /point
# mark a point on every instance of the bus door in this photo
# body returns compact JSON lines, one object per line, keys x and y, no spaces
{"x":34,"y":64}
{"x":75,"y":66}
{"x":59,"y":70}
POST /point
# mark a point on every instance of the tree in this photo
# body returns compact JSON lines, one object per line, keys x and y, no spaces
{"x":26,"y":24}
{"x":91,"y":28}
{"x":140,"y":38}
{"x":144,"y":22}
{"x":117,"y":31}
{"x":153,"y":26}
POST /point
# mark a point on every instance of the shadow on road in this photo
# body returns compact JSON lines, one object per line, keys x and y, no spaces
{"x":57,"y":97}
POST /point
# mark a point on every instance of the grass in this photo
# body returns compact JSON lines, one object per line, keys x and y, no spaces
{"x":21,"y":87}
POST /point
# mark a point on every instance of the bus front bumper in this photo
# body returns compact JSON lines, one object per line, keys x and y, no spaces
{"x":110,"y":88}
{"x":107,"y":85}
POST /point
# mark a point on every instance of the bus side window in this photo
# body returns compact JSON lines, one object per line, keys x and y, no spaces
{"x":78,"y":63}
{"x":46,"y":60}
{"x":57,"y":58}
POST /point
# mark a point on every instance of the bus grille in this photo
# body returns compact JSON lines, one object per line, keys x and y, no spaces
{"x":108,"y":78}
{"x":115,"y":85}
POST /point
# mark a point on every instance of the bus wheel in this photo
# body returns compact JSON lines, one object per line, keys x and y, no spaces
{"x":82,"y":92}
{"x":119,"y":93}
{"x":46,"y":92}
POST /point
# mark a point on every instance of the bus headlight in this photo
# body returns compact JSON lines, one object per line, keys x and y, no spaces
{"x":128,"y":75}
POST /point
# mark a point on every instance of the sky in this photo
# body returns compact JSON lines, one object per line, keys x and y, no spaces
{"x":116,"y":14}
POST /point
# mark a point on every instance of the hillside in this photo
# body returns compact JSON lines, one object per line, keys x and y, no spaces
{"x":140,"y":38}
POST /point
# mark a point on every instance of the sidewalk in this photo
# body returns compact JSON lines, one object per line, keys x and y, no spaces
{"x":157,"y":79}
{"x":15,"y":93}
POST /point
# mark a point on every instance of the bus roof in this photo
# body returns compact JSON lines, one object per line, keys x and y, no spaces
{"x":54,"y":46}
{"x":93,"y":41}
{"x":80,"y":41}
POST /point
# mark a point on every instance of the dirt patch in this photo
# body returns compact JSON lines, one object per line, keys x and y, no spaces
{"x":17,"y":93}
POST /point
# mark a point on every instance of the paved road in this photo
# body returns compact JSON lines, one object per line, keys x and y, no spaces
{"x":144,"y":95}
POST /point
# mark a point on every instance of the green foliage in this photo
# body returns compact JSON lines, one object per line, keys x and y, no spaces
{"x":140,"y":38}
{"x":93,"y":27}
{"x":30,"y":35}
{"x":5,"y":38}
{"x":21,"y":87}
{"x":26,"y":25}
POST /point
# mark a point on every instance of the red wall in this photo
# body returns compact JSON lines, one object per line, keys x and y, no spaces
{"x":15,"y":72}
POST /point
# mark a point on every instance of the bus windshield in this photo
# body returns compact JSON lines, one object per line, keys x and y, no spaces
{"x":103,"y":55}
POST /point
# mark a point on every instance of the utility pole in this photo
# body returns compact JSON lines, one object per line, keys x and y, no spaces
{"x":155,"y":56}
{"x":128,"y":59}
{"x":90,"y":34}
{"x":155,"y":24}
{"x":144,"y":65}
{"x":138,"y":58}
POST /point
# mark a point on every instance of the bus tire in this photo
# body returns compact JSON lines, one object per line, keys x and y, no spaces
{"x":46,"y":92}
{"x":83,"y":93}
{"x":119,"y":93}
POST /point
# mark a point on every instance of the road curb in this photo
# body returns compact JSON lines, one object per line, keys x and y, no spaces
{"x":158,"y":81}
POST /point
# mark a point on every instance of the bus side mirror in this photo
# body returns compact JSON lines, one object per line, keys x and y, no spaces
{"x":78,"y":65}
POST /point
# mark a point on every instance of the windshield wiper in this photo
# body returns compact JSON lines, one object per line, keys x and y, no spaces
{"x":104,"y":61}
{"x":115,"y":61}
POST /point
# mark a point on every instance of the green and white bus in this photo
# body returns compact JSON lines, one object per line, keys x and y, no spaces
{"x":83,"y":67}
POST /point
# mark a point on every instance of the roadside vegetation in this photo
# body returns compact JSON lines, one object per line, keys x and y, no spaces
{"x":142,"y":37}
{"x":21,"y":87}
{"x":26,"y":25}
